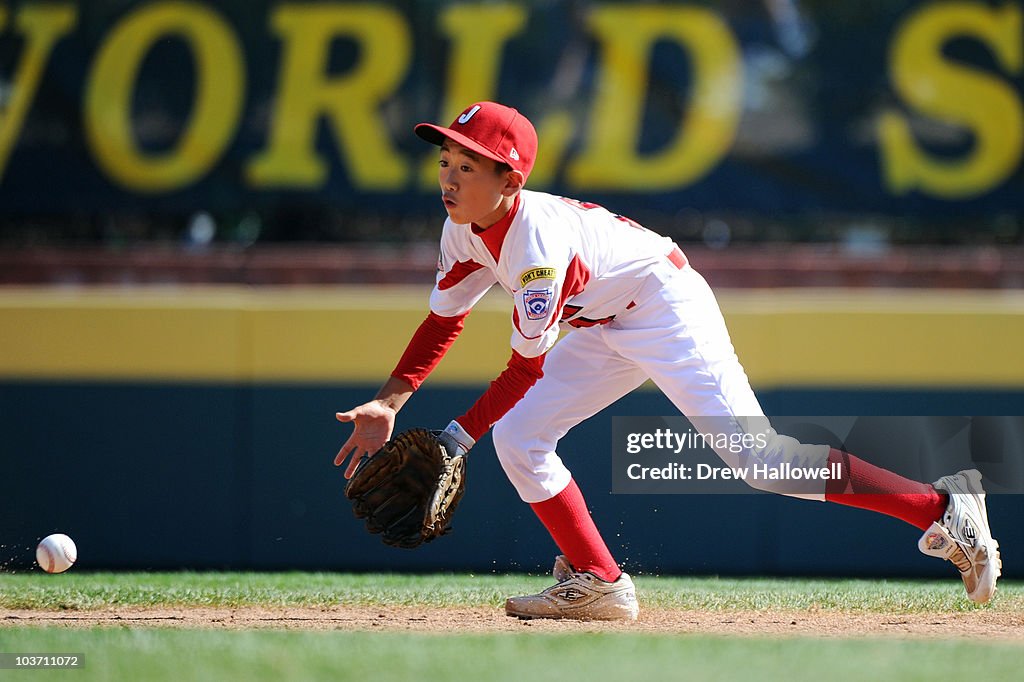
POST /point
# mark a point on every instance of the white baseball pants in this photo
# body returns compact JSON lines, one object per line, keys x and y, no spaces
{"x":675,"y":336}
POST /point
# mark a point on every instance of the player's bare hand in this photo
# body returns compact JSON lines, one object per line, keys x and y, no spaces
{"x":374,"y":422}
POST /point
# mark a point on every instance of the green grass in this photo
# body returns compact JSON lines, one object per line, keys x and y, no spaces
{"x":126,"y":653}
{"x":175,"y":655}
{"x":81,"y":590}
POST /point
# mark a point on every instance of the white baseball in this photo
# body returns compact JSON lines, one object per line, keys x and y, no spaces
{"x":56,"y":553}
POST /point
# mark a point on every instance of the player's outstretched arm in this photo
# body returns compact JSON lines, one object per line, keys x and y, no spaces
{"x":374,"y":421}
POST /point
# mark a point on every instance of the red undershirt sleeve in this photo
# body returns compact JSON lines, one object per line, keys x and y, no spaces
{"x":428,"y":345}
{"x":502,"y":395}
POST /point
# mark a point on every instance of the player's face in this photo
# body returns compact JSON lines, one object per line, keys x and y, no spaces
{"x":472,"y":189}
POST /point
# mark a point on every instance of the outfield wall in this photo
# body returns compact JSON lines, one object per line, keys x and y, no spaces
{"x":170,"y":428}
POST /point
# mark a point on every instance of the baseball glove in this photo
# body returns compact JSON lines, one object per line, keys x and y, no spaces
{"x":409,"y":489}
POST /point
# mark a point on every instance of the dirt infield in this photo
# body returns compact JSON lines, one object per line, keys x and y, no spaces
{"x":983,"y":623}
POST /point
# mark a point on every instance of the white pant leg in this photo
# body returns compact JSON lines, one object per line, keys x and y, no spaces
{"x":678,"y":338}
{"x":582,"y":376}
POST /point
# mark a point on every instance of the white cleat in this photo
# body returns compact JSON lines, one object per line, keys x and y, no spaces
{"x":578,"y":596}
{"x":963,"y":535}
{"x":563,"y":569}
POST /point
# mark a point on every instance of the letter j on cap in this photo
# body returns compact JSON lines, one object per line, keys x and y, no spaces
{"x":469,"y":114}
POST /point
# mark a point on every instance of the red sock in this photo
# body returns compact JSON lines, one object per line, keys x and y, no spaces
{"x":866,"y":486}
{"x":567,"y":519}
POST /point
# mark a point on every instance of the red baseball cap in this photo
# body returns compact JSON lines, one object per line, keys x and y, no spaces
{"x":492,"y":130}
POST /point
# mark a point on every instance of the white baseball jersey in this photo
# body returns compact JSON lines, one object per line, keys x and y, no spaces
{"x":562,"y":261}
{"x":639,"y":311}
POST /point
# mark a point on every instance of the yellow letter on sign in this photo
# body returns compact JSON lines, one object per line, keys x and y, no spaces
{"x":987,"y":106}
{"x":220,"y":83}
{"x":351,"y":102}
{"x":43,"y":26}
{"x":627,"y":34}
{"x":478,"y":34}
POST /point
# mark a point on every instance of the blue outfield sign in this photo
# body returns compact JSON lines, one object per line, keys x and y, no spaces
{"x":911,"y":108}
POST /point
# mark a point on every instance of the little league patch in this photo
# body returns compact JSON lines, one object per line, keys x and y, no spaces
{"x":537,"y":302}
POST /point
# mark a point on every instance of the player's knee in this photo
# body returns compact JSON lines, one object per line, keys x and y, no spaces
{"x":536,"y":472}
{"x":503,"y":436}
{"x":765,"y":485}
{"x":518,"y":430}
{"x":510,"y":446}
{"x":780,"y":467}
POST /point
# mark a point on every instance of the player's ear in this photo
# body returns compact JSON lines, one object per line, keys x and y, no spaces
{"x":514,"y":181}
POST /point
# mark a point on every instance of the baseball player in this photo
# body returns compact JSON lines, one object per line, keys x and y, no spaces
{"x":635,"y":309}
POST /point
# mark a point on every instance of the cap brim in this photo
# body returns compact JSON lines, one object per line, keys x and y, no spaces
{"x":437,"y":135}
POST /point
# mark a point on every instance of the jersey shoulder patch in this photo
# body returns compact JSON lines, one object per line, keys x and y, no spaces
{"x":537,"y":302}
{"x":535,"y":274}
